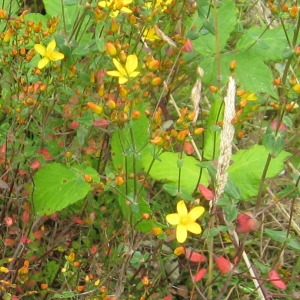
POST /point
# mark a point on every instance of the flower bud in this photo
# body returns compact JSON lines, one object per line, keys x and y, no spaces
{"x":232,"y":65}
{"x":156,"y":81}
{"x":284,"y":8}
{"x":213,"y":89}
{"x":111,"y":49}
{"x":153,"y":65}
{"x":294,"y":11}
{"x":94,"y":107}
{"x":179,"y":250}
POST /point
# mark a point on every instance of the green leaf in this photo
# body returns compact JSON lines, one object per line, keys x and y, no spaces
{"x":127,"y":147}
{"x":50,"y":272}
{"x":253,"y":74}
{"x":167,"y":170}
{"x":64,"y":295}
{"x":57,"y":186}
{"x":281,"y":237}
{"x":206,"y":43}
{"x":267,"y":44}
{"x":182,"y":194}
{"x":212,"y":134}
{"x":247,"y":169}
{"x":274,"y":144}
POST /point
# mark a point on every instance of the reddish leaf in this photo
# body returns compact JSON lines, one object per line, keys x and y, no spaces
{"x":38,"y":234}
{"x":35,"y":165}
{"x":9,"y":242}
{"x":25,"y":240}
{"x":74,"y":125}
{"x":276,"y":280}
{"x":45,"y":153}
{"x":246,"y":223}
{"x":8,"y":221}
{"x":206,"y":192}
{"x":194,"y":256}
{"x":200,"y":274}
{"x":188,"y":148}
{"x":223,"y":264}
{"x":188,"y":46}
{"x":100,"y":123}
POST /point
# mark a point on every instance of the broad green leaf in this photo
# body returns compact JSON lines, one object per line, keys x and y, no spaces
{"x":166,"y":170}
{"x":206,"y":43}
{"x":274,"y":144}
{"x":267,"y":44}
{"x":247,"y":169}
{"x":251,"y":72}
{"x":57,"y":186}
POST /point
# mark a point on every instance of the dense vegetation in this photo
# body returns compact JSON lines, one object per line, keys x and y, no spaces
{"x":149,"y":149}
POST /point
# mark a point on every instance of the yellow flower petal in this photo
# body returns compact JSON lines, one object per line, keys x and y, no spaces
{"x":126,"y":10}
{"x":119,"y":67}
{"x":114,"y":13}
{"x":54,"y":56}
{"x":123,"y":80}
{"x":181,"y":208}
{"x":196,"y":212}
{"x":131,"y":63}
{"x":181,"y":233}
{"x":173,"y":219}
{"x":40,"y":49}
{"x":114,"y":73}
{"x":135,"y":74}
{"x":194,"y":228}
{"x":43,"y":62}
{"x":104,"y":3}
{"x":51,"y":46}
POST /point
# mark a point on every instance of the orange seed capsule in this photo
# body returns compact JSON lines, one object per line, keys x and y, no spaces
{"x":232,"y":65}
{"x":136,"y":114}
{"x":179,"y":250}
{"x":119,"y":180}
{"x":111,"y":49}
{"x":88,"y":178}
{"x":294,"y":11}
{"x":44,"y":286}
{"x":157,"y":231}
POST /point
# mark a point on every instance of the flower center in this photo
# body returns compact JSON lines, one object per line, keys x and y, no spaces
{"x":185,"y":220}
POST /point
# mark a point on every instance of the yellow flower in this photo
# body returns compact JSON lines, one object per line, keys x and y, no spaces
{"x":185,"y":221}
{"x":150,"y":34}
{"x":162,"y":4}
{"x":48,"y":54}
{"x":127,"y":71}
{"x":116,"y":6}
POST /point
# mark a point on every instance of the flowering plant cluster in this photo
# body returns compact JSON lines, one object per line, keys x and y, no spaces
{"x":114,"y":113}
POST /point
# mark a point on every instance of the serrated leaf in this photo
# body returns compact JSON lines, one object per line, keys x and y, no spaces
{"x":168,"y":171}
{"x":247,"y":169}
{"x":57,"y":186}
